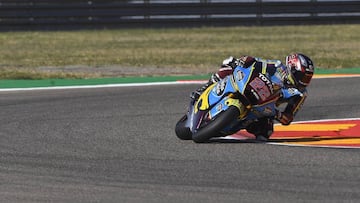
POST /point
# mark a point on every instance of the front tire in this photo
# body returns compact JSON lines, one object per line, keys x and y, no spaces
{"x":213,"y":129}
{"x":183,"y":132}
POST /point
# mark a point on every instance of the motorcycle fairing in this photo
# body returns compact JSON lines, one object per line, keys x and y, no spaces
{"x":290,"y":92}
{"x":241,"y":77}
{"x":219,"y":96}
{"x":214,"y":100}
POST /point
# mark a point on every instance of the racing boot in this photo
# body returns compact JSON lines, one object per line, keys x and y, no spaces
{"x":262,"y":129}
{"x":213,"y":79}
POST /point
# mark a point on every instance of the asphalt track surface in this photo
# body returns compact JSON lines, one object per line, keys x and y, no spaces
{"x":118,"y":145}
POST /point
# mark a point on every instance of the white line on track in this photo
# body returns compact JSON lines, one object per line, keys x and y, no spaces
{"x":313,"y":146}
{"x":336,"y":76}
{"x":139,"y":84}
{"x":90,"y":86}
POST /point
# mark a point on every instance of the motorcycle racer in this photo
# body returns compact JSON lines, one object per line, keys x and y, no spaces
{"x":294,"y":76}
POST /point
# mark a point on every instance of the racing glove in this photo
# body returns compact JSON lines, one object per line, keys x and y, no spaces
{"x":230,"y":62}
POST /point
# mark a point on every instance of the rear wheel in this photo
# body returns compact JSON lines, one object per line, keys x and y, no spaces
{"x":183,"y":132}
{"x":214,"y":128}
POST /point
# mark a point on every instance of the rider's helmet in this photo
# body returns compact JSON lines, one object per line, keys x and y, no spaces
{"x":301,"y":69}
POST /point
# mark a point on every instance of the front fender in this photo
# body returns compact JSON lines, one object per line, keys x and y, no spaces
{"x":224,"y":104}
{"x":217,"y":98}
{"x":197,"y":117}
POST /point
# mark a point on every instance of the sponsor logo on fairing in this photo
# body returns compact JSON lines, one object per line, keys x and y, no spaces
{"x":240,"y":75}
{"x":220,"y":87}
{"x":267,"y":82}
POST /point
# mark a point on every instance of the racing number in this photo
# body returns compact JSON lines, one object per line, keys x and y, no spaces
{"x":261,"y":88}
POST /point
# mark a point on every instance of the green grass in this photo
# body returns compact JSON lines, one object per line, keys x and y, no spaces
{"x":22,"y":54}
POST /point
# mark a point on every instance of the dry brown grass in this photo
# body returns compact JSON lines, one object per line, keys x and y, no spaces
{"x":203,"y":49}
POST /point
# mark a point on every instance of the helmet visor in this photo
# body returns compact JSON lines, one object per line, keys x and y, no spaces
{"x":303,"y":78}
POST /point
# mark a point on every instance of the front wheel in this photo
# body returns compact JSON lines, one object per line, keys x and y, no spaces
{"x":182,"y":132}
{"x":214,"y":128}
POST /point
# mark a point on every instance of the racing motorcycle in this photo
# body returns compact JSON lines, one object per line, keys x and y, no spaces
{"x":230,"y":105}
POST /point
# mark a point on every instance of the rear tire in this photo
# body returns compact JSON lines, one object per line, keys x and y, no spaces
{"x":181,"y":131}
{"x":213,"y":129}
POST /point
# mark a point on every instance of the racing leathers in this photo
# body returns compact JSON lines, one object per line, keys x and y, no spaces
{"x":290,"y":97}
